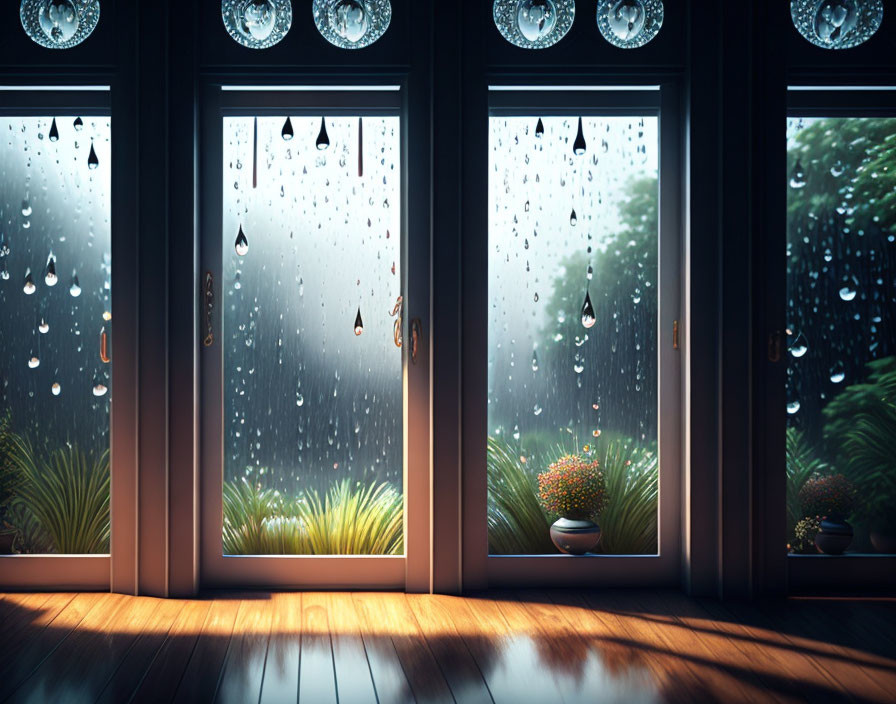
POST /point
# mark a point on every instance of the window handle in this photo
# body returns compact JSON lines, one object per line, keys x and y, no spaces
{"x":396,"y":327}
{"x":675,"y":335}
{"x":774,"y":346}
{"x":209,"y":309}
{"x":104,"y":347}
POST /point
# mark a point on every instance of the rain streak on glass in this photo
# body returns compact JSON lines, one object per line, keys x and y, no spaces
{"x":841,"y":298}
{"x":55,"y":220}
{"x":572,"y":350}
{"x":312,"y":407}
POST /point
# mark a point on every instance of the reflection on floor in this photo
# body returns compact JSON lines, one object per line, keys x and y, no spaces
{"x":504,"y":647}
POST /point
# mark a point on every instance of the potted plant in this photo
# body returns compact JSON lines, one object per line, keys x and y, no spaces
{"x":574,"y":489}
{"x":831,"y":497}
{"x":804,"y":536}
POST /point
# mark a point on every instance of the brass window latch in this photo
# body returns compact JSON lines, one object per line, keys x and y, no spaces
{"x":675,"y":335}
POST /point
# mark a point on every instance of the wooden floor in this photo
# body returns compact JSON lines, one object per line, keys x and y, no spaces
{"x":511,"y":648}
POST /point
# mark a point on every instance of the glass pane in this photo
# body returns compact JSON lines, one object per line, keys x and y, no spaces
{"x":841,"y":343}
{"x":55,"y":312}
{"x":572,"y":355}
{"x":313,"y":387}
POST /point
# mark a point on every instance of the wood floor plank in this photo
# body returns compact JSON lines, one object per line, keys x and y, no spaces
{"x":200,"y":679}
{"x":24,"y":614}
{"x":127,"y":677}
{"x":389,"y":679}
{"x":80,"y":668}
{"x":281,"y":670}
{"x":243,"y":668}
{"x":393,"y":613}
{"x":317,"y":678}
{"x":448,"y":647}
{"x":164,"y":674}
{"x":23,"y":663}
{"x":354,"y":681}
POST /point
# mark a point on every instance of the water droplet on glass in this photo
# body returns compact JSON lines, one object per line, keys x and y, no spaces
{"x":590,"y":272}
{"x":539,"y":128}
{"x":44,"y":327}
{"x":847,"y":293}
{"x":323,"y":139}
{"x":100,"y":390}
{"x":837,"y":169}
{"x":26,"y":208}
{"x":92,"y":161}
{"x":287,"y":132}
{"x":300,"y":399}
{"x":627,"y":21}
{"x":348,"y":18}
{"x":835,"y":19}
{"x":573,"y":220}
{"x":242,"y":244}
{"x":838,"y":373}
{"x":828,"y":255}
{"x":798,"y":176}
{"x":588,"y":316}
{"x":800,"y":346}
{"x":59,"y":20}
{"x":536,"y":19}
{"x":578,"y":366}
{"x":793,"y":407}
{"x":56,"y":388}
{"x":54,"y":132}
{"x":516,"y":432}
{"x":79,"y":124}
{"x":75,"y":289}
{"x":537,"y":410}
{"x":359,"y":324}
{"x":534,"y":361}
{"x":579,"y":146}
{"x":51,"y":279}
{"x":29,"y":287}
{"x":34,"y":362}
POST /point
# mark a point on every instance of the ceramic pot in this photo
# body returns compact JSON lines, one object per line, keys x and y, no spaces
{"x":884,"y":541}
{"x":834,"y":537}
{"x":575,"y":537}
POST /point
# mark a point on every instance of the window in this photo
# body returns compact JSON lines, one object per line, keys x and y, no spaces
{"x":55,"y":323}
{"x":573,"y":319}
{"x":841,"y":347}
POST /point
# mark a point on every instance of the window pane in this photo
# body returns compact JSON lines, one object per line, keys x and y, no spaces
{"x":313,"y":401}
{"x":563,"y":225}
{"x":55,"y":286}
{"x":841,"y":358}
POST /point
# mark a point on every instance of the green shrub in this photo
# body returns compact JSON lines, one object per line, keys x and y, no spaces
{"x":802,"y":464}
{"x":629,"y":522}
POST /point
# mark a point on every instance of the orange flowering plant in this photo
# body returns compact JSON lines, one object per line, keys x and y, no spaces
{"x":573,"y":487}
{"x":828,"y":496}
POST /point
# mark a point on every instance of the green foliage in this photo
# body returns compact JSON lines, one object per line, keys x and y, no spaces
{"x":573,"y":487}
{"x":347,"y":521}
{"x":66,"y":494}
{"x":10,"y":476}
{"x":804,"y":535}
{"x":860,"y":429}
{"x":519,"y":526}
{"x":629,"y":522}
{"x":802,"y":464}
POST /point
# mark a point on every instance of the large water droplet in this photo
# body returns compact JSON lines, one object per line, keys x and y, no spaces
{"x":242,"y":244}
{"x":588,"y":316}
{"x":29,"y":287}
{"x":257,"y":19}
{"x":516,"y":432}
{"x":848,"y":293}
{"x":287,"y":132}
{"x":536,"y":19}
{"x":359,"y":324}
{"x":349,"y":20}
{"x":51,"y":279}
{"x":100,"y":389}
{"x":798,"y":176}
{"x":56,"y":389}
{"x":34,"y":362}
{"x":838,"y":373}
{"x":54,"y":132}
{"x":799,"y":346}
{"x":793,"y":407}
{"x":573,"y":220}
{"x":75,"y":289}
{"x":323,"y":139}
{"x":78,"y":124}
{"x":59,"y":20}
{"x":26,"y":207}
{"x":834,"y":19}
{"x":539,"y":128}
{"x":626,"y":19}
{"x":579,"y":146}
{"x":43,"y":328}
{"x":92,"y":161}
